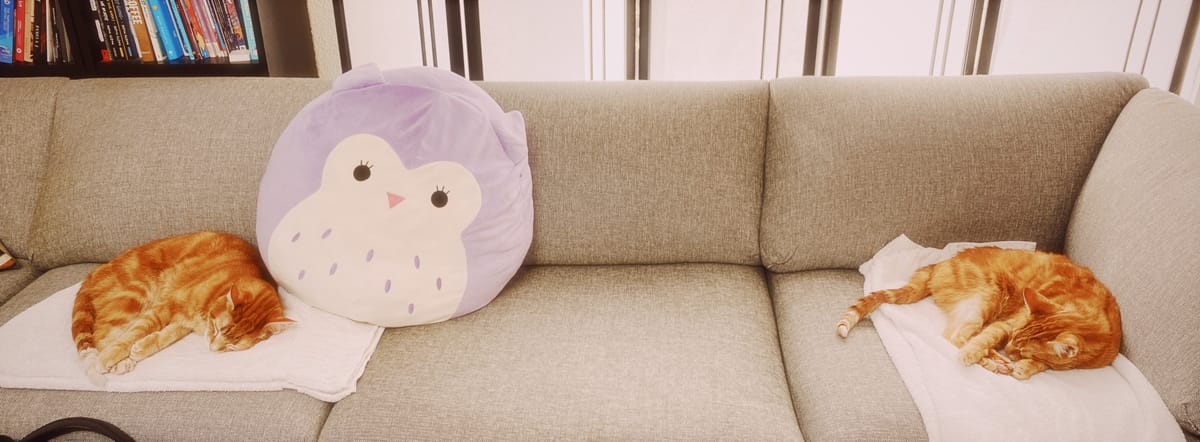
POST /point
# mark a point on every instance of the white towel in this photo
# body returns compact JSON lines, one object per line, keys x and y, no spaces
{"x":323,"y":356}
{"x":1113,"y":403}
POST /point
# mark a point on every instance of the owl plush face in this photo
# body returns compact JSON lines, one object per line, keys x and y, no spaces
{"x":364,"y":177}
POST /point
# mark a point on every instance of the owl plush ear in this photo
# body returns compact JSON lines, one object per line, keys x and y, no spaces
{"x":358,"y":78}
{"x":510,"y":128}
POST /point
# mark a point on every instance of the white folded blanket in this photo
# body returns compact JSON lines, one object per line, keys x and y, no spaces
{"x":323,"y":356}
{"x":1113,"y":403}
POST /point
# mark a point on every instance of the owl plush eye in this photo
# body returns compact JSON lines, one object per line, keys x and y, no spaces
{"x":440,"y":197}
{"x":362,"y":171}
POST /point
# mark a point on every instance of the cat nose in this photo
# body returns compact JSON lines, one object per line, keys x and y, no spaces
{"x":394,"y":199}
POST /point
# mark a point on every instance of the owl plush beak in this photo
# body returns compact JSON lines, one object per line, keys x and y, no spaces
{"x":394,"y":199}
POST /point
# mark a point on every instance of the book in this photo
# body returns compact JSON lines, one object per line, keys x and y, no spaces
{"x":133,"y":12}
{"x":103,"y":45}
{"x":238,"y":51}
{"x":165,"y":25}
{"x":19,"y":31}
{"x":125,"y":26}
{"x":128,"y":20}
{"x":159,"y":55}
{"x":193,"y":24}
{"x":108,"y":20}
{"x":62,"y":43}
{"x":220,"y":25}
{"x":251,"y":39}
{"x":37,"y":33}
{"x":180,"y":30}
{"x":6,"y":31}
{"x":51,"y":32}
{"x":207,"y":28}
{"x":30,"y":12}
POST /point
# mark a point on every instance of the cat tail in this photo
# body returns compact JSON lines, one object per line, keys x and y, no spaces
{"x":916,"y":290}
{"x":83,"y":320}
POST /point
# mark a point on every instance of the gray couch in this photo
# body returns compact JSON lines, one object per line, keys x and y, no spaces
{"x":694,"y":245}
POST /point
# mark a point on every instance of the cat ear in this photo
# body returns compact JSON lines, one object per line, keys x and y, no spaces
{"x":278,"y":325}
{"x":229,"y":299}
{"x":1066,"y":345}
{"x":237,"y":296}
{"x":1038,"y":305}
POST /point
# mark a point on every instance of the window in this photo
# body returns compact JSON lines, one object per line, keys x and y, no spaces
{"x":535,"y":40}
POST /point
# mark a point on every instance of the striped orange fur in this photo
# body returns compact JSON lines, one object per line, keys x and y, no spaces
{"x":154,"y":294}
{"x":1043,"y":310}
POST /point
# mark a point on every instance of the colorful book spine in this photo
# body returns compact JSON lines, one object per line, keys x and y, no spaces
{"x":166,"y":26}
{"x":221,"y":25}
{"x":193,"y":25}
{"x":251,"y":39}
{"x":159,"y":55}
{"x":30,"y":12}
{"x":37,"y":33}
{"x":133,"y":12}
{"x":180,"y":30}
{"x":6,"y":31}
{"x":18,"y":31}
{"x":237,"y":36}
{"x":125,"y":27}
{"x":204,"y":17}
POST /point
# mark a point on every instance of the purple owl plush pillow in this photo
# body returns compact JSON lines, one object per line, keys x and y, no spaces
{"x":399,"y":197}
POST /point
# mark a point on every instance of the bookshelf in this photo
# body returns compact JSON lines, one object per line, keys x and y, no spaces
{"x":86,"y":61}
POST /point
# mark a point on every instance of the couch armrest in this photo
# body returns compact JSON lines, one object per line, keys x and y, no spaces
{"x":1136,"y":224}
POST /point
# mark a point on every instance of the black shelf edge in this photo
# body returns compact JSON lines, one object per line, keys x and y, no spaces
{"x":178,"y":69}
{"x":40,"y":70}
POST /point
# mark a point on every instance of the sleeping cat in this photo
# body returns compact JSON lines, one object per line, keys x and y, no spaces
{"x":154,"y":294}
{"x":1046,"y":311}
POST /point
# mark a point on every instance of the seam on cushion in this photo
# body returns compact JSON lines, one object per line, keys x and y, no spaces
{"x":34,"y":246}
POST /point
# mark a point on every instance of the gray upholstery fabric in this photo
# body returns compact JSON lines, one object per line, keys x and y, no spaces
{"x":843,"y":389}
{"x":649,"y":352}
{"x":173,"y":416}
{"x":853,"y":162}
{"x":133,"y":161}
{"x":26,"y":115}
{"x":633,"y":173}
{"x":16,"y":278}
{"x":1137,"y":226}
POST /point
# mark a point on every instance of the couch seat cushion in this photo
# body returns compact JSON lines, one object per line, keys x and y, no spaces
{"x":614,"y":352}
{"x":843,"y":389}
{"x":174,"y":416}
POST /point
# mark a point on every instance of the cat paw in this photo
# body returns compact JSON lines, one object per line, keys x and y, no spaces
{"x":124,"y":366}
{"x":138,"y":352}
{"x":91,"y":367}
{"x":1021,"y":374}
{"x":971,"y":356}
{"x":109,"y":358}
{"x":995,"y":366}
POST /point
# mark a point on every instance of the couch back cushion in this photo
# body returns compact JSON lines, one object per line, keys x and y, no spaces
{"x":133,"y":160}
{"x":630,"y":173}
{"x":26,"y":116}
{"x":853,"y":162}
{"x":1136,"y":226}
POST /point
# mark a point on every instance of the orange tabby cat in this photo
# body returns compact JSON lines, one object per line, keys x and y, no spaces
{"x":1045,"y":311}
{"x":152,"y":295}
